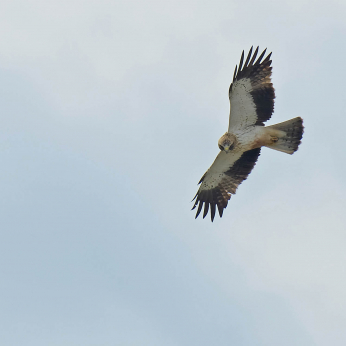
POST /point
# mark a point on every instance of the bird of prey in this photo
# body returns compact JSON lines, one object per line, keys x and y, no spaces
{"x":251,"y":96}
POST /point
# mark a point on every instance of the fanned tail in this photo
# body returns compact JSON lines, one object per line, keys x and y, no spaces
{"x":289,"y":142}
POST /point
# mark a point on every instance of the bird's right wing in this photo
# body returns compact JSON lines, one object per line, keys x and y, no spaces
{"x":222,"y":180}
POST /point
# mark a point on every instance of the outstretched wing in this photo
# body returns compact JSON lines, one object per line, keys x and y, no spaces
{"x":251,"y":93}
{"x":222,"y":180}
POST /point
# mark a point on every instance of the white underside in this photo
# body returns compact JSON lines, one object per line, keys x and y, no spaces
{"x":243,"y":108}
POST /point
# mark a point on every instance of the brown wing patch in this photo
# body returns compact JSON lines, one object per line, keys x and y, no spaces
{"x":259,"y":73}
{"x":220,"y":195}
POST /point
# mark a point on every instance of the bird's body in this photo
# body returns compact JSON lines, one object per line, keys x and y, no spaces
{"x":252,"y":103}
{"x":252,"y":137}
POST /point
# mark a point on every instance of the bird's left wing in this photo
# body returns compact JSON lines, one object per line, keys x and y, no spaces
{"x":222,"y":180}
{"x":251,"y":93}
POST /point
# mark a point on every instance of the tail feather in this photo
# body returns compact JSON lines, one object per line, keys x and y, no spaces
{"x":289,"y":142}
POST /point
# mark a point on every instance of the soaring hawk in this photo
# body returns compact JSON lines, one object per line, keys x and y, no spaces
{"x":251,"y":96}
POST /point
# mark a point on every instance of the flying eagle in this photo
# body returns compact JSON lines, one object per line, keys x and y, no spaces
{"x":251,"y":96}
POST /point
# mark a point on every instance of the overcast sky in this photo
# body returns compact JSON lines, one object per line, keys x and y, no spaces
{"x":110,"y":113}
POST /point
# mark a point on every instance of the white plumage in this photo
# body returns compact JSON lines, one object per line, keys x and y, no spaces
{"x":242,"y":106}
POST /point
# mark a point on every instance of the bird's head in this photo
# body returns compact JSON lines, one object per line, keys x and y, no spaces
{"x":227,"y":142}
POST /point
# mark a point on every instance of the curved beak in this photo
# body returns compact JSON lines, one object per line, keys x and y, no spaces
{"x":226,"y":149}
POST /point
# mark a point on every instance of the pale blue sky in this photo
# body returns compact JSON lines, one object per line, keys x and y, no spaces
{"x":110,"y":114}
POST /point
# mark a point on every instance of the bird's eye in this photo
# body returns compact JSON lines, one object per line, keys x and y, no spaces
{"x":221,"y":147}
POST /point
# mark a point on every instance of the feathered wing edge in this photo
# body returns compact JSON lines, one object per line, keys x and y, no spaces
{"x":220,"y":195}
{"x":259,"y":73}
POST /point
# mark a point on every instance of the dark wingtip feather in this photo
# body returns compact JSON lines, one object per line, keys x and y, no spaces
{"x":199,"y":209}
{"x":212,"y":211}
{"x":235,"y":72}
{"x":248,"y":57}
{"x":240,"y":64}
{"x":254,"y":56}
{"x":260,"y":57}
{"x":241,"y":59}
{"x":268,"y":57}
{"x":220,"y":209}
{"x":206,"y":208}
